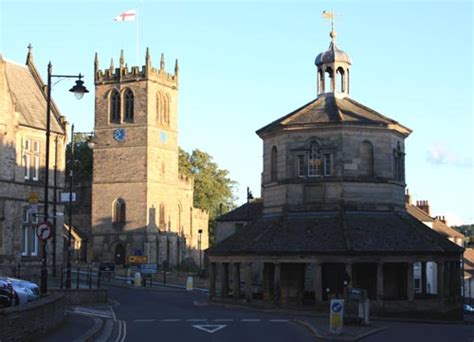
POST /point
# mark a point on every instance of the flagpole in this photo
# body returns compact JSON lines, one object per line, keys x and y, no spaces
{"x":137,"y":42}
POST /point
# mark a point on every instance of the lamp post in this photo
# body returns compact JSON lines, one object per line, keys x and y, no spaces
{"x":200,"y":251}
{"x":79,"y":90}
{"x":90,"y":144}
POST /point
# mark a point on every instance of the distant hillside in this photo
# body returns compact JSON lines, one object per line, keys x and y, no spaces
{"x":466,"y":229}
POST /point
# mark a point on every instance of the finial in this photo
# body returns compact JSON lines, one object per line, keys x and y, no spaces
{"x":122,"y":59}
{"x":96,"y":61}
{"x":176,"y":67}
{"x":162,"y":62}
{"x":111,"y":64}
{"x":29,"y":56}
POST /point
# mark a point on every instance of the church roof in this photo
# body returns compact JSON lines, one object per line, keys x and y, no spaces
{"x":352,"y":233}
{"x":329,"y":109}
{"x":28,"y":96}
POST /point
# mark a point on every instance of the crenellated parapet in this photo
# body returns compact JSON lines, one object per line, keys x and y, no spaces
{"x":186,"y":181}
{"x":125,"y":74}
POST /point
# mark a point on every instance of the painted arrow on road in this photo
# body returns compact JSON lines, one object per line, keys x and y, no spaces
{"x":211,"y":329}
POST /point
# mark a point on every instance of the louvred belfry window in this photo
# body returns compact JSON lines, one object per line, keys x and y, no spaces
{"x":129,"y":101}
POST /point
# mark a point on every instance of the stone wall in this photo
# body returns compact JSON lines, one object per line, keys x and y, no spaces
{"x":22,"y":323}
{"x":83,"y":296}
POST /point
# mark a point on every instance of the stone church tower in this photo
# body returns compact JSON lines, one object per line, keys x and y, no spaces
{"x":141,"y":205}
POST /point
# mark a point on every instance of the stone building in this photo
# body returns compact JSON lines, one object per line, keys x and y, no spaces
{"x":141,"y":204}
{"x":22,"y":162}
{"x":333,"y":188}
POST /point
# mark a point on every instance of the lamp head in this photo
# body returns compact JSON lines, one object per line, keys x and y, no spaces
{"x":79,"y":89}
{"x":200,"y":231}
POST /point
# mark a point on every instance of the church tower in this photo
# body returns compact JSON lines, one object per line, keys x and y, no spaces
{"x":139,"y":200}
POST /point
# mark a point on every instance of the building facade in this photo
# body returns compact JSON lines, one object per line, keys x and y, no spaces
{"x":22,"y":164}
{"x":333,"y":189}
{"x":141,"y":204}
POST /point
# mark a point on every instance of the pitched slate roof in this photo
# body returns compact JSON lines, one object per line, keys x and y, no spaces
{"x":446,"y":230}
{"x":30,"y":101}
{"x":246,"y":212}
{"x":419,"y":214}
{"x":328,"y":109}
{"x":336,"y":233}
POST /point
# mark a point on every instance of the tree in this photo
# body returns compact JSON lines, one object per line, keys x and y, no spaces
{"x":213,"y":189}
{"x":82,"y":166}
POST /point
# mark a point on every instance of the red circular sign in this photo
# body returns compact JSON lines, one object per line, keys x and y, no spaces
{"x":44,"y":230}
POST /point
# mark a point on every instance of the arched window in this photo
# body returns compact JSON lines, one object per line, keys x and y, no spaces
{"x":115,"y":107}
{"x":166,"y":109}
{"x":119,"y":213}
{"x":274,"y":164}
{"x":340,"y":86}
{"x":128,"y":105}
{"x":162,"y":217}
{"x":328,"y":75}
{"x":366,"y":159}
{"x":314,"y":160}
{"x":159,"y":108}
{"x":398,"y":164}
{"x":320,"y":81}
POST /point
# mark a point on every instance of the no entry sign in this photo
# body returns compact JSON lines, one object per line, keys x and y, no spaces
{"x":44,"y":230}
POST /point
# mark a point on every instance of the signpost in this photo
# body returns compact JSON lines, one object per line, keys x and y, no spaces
{"x":137,"y":259}
{"x":44,"y":230}
{"x":148,"y":268}
{"x":189,"y":283}
{"x":336,"y":315}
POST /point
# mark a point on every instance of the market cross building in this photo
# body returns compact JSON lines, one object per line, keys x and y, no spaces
{"x":333,"y":189}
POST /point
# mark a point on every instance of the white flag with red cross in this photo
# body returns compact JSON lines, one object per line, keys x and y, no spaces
{"x":127,"y":15}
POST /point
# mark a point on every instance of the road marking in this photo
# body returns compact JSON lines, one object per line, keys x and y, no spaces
{"x":278,"y":320}
{"x":196,"y":320}
{"x":223,"y":320}
{"x":211,"y":329}
{"x":250,"y":320}
{"x":143,"y":320}
{"x":171,"y":320}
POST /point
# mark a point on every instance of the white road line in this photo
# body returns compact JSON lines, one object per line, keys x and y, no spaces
{"x":171,"y":320}
{"x":196,"y":320}
{"x":143,"y":320}
{"x":124,"y":331}
{"x":278,"y":320}
{"x":250,"y":320}
{"x":223,"y":320}
{"x":119,"y":334}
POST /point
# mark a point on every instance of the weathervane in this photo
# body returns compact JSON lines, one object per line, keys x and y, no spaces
{"x":330,"y":15}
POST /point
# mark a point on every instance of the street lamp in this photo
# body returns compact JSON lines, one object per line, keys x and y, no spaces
{"x":200,"y":251}
{"x":90,"y":144}
{"x":79,"y":90}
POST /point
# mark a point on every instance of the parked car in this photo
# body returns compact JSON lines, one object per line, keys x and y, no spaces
{"x":23,"y":291}
{"x":468,"y":309}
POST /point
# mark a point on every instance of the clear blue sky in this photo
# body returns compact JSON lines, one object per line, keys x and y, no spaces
{"x":244,"y":64}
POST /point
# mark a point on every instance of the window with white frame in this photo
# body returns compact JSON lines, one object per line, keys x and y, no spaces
{"x":314,"y":160}
{"x":29,"y":239}
{"x":31,"y":159}
{"x":327,"y":164}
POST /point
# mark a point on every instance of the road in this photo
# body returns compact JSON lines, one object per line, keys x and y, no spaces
{"x":177,"y":315}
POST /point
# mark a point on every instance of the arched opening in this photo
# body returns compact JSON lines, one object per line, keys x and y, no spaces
{"x":320,"y":82}
{"x":328,"y":76}
{"x":119,"y":254}
{"x":115,"y":107}
{"x":129,"y":102}
{"x":340,"y":80}
{"x":159,"y":108}
{"x":274,"y":164}
{"x":366,"y":159}
{"x":119,"y":213}
{"x":166,"y":109}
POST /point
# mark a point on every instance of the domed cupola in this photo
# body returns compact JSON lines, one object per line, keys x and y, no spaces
{"x":333,"y":69}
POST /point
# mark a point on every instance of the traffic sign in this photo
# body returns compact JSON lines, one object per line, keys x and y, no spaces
{"x":336,"y":314}
{"x":44,"y":230}
{"x":148,"y":268}
{"x":137,"y":259}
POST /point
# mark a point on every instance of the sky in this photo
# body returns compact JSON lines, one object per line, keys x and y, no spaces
{"x":244,"y":64}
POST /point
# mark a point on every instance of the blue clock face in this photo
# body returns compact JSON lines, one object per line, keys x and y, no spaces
{"x":119,"y":134}
{"x":163,"y":137}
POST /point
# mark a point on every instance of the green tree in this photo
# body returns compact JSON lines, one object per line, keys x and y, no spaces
{"x":213,"y":189}
{"x":82,"y":166}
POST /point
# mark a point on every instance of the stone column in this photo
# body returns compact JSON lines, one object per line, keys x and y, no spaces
{"x":212,"y":281}
{"x":236,"y":282}
{"x":276,"y":282}
{"x":423,"y":278}
{"x":268,"y":281}
{"x":440,"y":275}
{"x":248,"y":282}
{"x":318,"y":283}
{"x":380,"y":281}
{"x":410,"y":282}
{"x":224,"y":280}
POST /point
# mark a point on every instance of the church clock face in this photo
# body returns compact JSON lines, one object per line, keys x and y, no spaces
{"x":163,"y":137}
{"x":119,"y":134}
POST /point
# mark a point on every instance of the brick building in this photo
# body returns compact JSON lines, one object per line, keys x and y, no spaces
{"x":141,"y":205}
{"x":333,"y":191}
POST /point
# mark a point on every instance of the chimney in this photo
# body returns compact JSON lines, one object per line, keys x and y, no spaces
{"x":408,"y":197}
{"x":423,"y":205}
